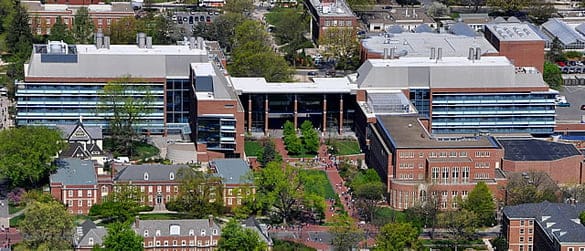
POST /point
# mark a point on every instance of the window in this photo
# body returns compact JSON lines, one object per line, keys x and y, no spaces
{"x":183,"y":243}
{"x":214,"y":231}
{"x":48,"y":20}
{"x":191,"y":232}
{"x":530,"y":230}
{"x":146,"y":177}
{"x":70,"y":193}
{"x":191,"y":243}
{"x":521,"y":238}
{"x":150,"y":189}
{"x":455,"y":175}
{"x":521,"y":230}
{"x":348,"y":23}
{"x":570,"y":249}
{"x":452,"y":154}
{"x":432,"y":155}
{"x":79,"y":193}
{"x":327,"y":23}
{"x":142,"y":189}
{"x":522,"y":223}
{"x":89,"y":203}
{"x":530,"y":222}
{"x":100,"y":22}
{"x":463,"y":154}
{"x":435,"y":174}
{"x":530,"y":240}
{"x":442,"y":154}
{"x":166,"y":243}
{"x":174,"y":242}
{"x":521,"y":247}
{"x":175,"y":230}
{"x":66,"y":20}
{"x":146,"y":234}
{"x":176,"y":189}
{"x":171,"y":176}
{"x":104,"y":189}
{"x":109,"y":21}
{"x":70,"y":203}
{"x":158,"y":189}
{"x":230,"y":191}
{"x":445,"y":175}
{"x":421,"y":155}
{"x":80,"y":203}
{"x":89,"y":193}
{"x":202,"y":232}
{"x":229,"y":201}
{"x":150,"y":243}
{"x":90,"y":241}
{"x":157,"y":233}
{"x":465,"y":175}
{"x":158,"y":243}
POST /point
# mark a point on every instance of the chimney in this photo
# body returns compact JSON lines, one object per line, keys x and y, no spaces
{"x":201,"y":42}
{"x":107,"y":42}
{"x":141,"y":40}
{"x":439,"y":54}
{"x":137,"y":221}
{"x":99,"y":40}
{"x":385,"y":53}
{"x":432,"y":53}
{"x":148,"y":42}
{"x":471,"y":55}
{"x":192,"y":43}
{"x":477,"y":53}
{"x":211,"y":223}
{"x":392,"y":52}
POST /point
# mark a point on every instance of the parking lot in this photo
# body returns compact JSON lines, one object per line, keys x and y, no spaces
{"x":185,"y":21}
{"x":575,"y":96}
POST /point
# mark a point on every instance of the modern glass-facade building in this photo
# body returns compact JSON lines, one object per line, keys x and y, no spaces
{"x":531,"y":112}
{"x":63,"y":84}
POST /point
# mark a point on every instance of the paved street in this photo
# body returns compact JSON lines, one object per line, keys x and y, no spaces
{"x":5,"y":121}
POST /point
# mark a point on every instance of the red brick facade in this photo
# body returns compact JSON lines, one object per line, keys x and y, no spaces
{"x":77,"y":198}
{"x":566,"y":170}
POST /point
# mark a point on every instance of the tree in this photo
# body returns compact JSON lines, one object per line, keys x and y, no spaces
{"x":397,"y":237}
{"x":582,"y":217}
{"x":437,"y":9}
{"x":294,"y":145}
{"x":268,"y":152}
{"x":461,"y":224}
{"x":552,"y":75}
{"x":289,"y":30}
{"x":60,"y":32}
{"x":368,"y":196}
{"x":121,"y":237}
{"x":250,"y":31}
{"x":123,"y":31}
{"x":200,"y":194}
{"x":556,"y":51}
{"x":222,"y":29}
{"x":345,"y":234}
{"x":535,"y":187}
{"x":235,"y":237}
{"x":26,"y":154}
{"x":121,"y":204}
{"x":18,"y":31}
{"x":425,"y":213}
{"x":480,"y":201}
{"x":279,"y":189}
{"x":255,"y":59}
{"x":341,"y":44}
{"x":311,"y":141}
{"x":126,"y":102}
{"x":540,"y":11}
{"x":361,"y":5}
{"x":508,"y":5}
{"x":82,"y":27}
{"x":239,"y":6}
{"x":47,"y":224}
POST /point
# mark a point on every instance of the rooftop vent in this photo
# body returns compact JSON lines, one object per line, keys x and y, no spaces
{"x":141,"y":40}
{"x":57,"y":47}
{"x":148,"y":42}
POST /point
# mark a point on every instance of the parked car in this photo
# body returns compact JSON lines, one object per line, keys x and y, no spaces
{"x":312,"y":73}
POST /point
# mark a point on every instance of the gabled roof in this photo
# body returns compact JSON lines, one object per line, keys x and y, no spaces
{"x":558,"y":220}
{"x":561,"y":30}
{"x":423,"y":28}
{"x":185,"y":226}
{"x":536,"y":150}
{"x":462,"y":29}
{"x":394,"y":29}
{"x":74,"y":172}
{"x":96,"y":234}
{"x":78,"y":131}
{"x":231,"y":171}
{"x":155,"y":172}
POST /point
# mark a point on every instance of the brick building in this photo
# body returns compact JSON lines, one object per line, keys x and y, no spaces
{"x":326,"y":14}
{"x":233,"y":173}
{"x":44,"y":16}
{"x":544,"y":226}
{"x":158,"y":183}
{"x":166,"y":235}
{"x":519,"y":42}
{"x":75,"y":184}
{"x":562,"y":162}
{"x":415,"y":164}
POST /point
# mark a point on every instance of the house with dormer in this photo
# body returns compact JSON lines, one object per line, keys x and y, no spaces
{"x":88,"y":235}
{"x":84,"y":142}
{"x":197,"y":234}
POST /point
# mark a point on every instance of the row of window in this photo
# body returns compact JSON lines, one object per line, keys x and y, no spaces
{"x":176,"y":230}
{"x":79,"y":193}
{"x":410,"y":155}
{"x":183,"y":243}
{"x":79,"y":203}
{"x":455,"y":173}
{"x":347,"y":23}
{"x":48,"y":21}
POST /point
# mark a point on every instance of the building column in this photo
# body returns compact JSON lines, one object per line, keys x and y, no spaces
{"x":249,"y":113}
{"x":324,"y":129}
{"x":340,"y":114}
{"x":296,"y":112}
{"x":266,"y":115}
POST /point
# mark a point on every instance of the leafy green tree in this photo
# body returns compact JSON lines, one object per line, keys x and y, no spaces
{"x":255,"y":59}
{"x":363,"y":177}
{"x":508,"y":5}
{"x":311,"y":141}
{"x":461,"y":224}
{"x":397,"y":237}
{"x":536,"y":187}
{"x":437,"y":9}
{"x":60,"y":31}
{"x":250,"y":31}
{"x":361,"y":5}
{"x":125,"y":101}
{"x":425,"y":213}
{"x":235,"y":237}
{"x":239,"y":6}
{"x":556,"y":51}
{"x":82,"y":27}
{"x":552,"y":75}
{"x":26,"y":154}
{"x":345,"y":234}
{"x":540,"y":11}
{"x":222,"y":30}
{"x":18,"y":31}
{"x":341,"y":44}
{"x":294,"y":145}
{"x":200,"y":194}
{"x":121,"y":204}
{"x":368,"y":196}
{"x":280,"y":189}
{"x":48,"y":225}
{"x":123,"y":31}
{"x":582,"y":217}
{"x":289,"y":30}
{"x":480,"y":201}
{"x":288,"y":129}
{"x":268,"y":153}
{"x":121,"y":237}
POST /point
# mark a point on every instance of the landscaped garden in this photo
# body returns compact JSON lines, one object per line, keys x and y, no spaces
{"x":316,"y":182}
{"x":140,"y":150}
{"x":344,"y":147}
{"x":252,"y":147}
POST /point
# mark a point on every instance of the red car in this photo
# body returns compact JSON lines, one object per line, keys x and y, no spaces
{"x":561,"y":64}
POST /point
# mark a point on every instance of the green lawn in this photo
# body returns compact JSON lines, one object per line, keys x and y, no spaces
{"x":14,"y":209}
{"x":252,"y":148}
{"x":14,"y":222}
{"x":385,"y":215}
{"x":142,"y":150}
{"x":347,"y":147}
{"x":163,"y":216}
{"x":316,"y":182}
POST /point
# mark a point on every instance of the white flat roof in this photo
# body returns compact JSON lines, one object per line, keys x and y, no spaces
{"x":134,"y":50}
{"x":203,"y":69}
{"x":445,"y":61}
{"x":319,"y":85}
